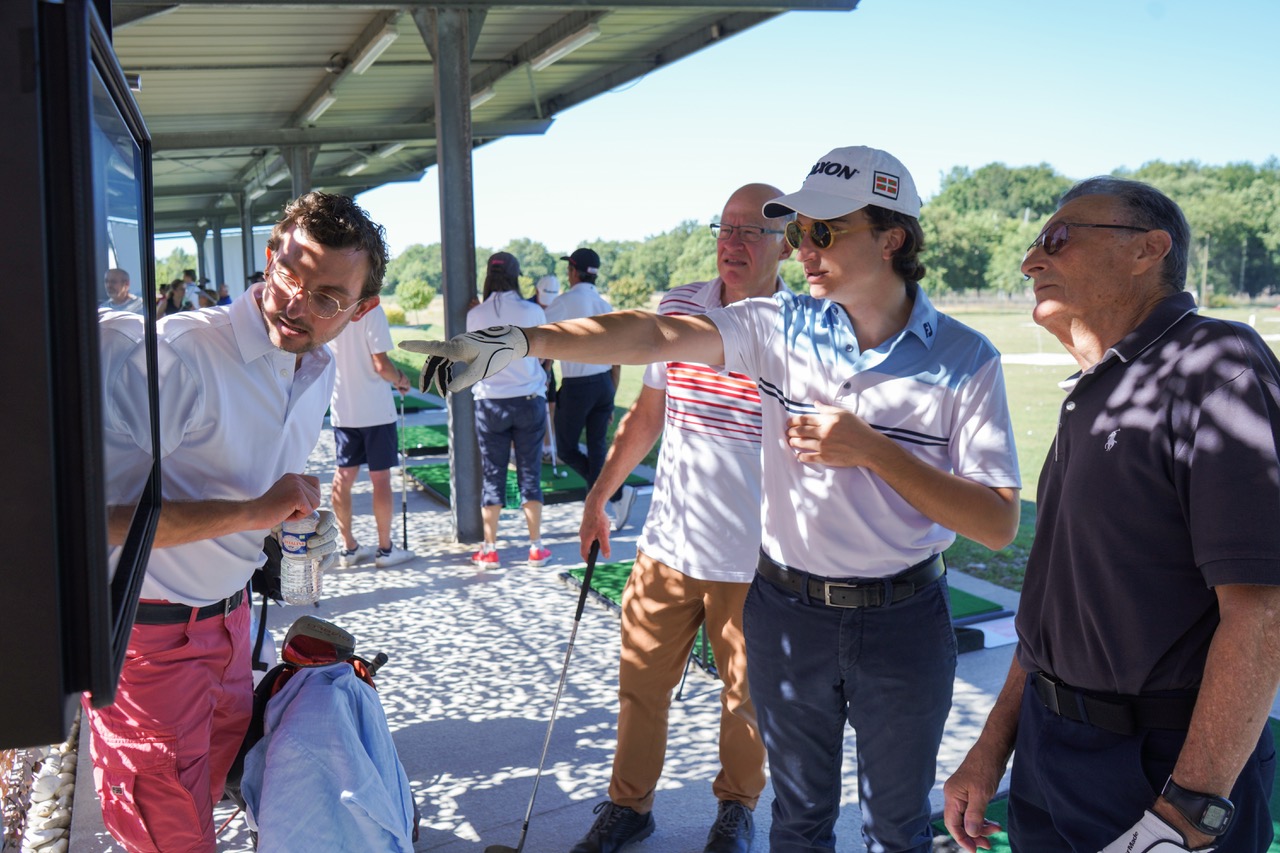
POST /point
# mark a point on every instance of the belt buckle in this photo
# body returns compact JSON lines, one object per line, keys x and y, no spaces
{"x":1050,"y":698}
{"x":227,"y":607}
{"x":826,"y":594}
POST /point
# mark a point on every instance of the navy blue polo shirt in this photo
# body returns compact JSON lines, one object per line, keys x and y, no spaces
{"x":1163,"y":481}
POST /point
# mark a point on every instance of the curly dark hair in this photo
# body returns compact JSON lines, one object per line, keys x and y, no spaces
{"x":337,"y":222}
{"x":906,"y":260}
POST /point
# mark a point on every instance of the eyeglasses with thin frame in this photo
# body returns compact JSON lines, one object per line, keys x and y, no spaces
{"x":822,"y":233}
{"x":1053,"y":238}
{"x":746,"y":233}
{"x":322,"y":305}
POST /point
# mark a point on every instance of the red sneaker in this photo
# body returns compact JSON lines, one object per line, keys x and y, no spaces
{"x":539,"y":556}
{"x":486,"y":560}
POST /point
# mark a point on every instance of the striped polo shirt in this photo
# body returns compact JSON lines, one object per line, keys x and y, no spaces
{"x":704,"y":517}
{"x":936,"y":388}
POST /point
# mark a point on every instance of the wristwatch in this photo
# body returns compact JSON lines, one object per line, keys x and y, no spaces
{"x":1208,"y":813}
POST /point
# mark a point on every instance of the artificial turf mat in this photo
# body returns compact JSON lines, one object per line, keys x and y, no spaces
{"x":568,"y":487}
{"x":998,"y":810}
{"x":418,"y":404}
{"x":425,"y":440}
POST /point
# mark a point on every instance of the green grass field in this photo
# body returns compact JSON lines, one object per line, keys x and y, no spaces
{"x":1034,"y":398}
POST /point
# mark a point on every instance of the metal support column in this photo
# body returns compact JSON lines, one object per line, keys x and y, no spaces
{"x":246,"y":242}
{"x":301,"y":158}
{"x":219,"y":270}
{"x":198,"y":234}
{"x":447,"y":36}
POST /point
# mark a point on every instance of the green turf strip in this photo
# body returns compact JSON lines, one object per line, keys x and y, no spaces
{"x":569,"y":487}
{"x":425,"y":440}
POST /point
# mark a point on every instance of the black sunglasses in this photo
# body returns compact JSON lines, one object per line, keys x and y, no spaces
{"x":1055,"y":237}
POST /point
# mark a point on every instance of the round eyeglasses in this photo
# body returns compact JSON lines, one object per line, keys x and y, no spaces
{"x":322,"y":305}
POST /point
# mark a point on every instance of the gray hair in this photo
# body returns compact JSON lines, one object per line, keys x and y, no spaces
{"x":1149,"y":208}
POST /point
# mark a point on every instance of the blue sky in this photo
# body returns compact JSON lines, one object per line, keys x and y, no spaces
{"x":1086,"y":86}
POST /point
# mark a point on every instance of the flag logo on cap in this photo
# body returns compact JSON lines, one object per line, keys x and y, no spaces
{"x":885,"y":184}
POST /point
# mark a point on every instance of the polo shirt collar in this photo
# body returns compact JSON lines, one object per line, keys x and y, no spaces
{"x":712,"y":295}
{"x":1162,"y":318}
{"x":922,"y":322}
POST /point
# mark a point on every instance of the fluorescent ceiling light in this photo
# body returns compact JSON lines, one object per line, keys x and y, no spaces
{"x":374,"y":49}
{"x":257,"y":193}
{"x":389,"y":149}
{"x":317,"y":108}
{"x":484,"y":96}
{"x":564,"y":47}
{"x":355,"y":168}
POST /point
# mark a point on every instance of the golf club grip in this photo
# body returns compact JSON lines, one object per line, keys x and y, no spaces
{"x":586,"y":577}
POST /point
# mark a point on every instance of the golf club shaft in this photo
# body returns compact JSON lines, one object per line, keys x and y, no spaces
{"x":404,"y":505}
{"x":564,"y":672}
{"x":555,"y":455}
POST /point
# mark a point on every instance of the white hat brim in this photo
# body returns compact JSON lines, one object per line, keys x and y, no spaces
{"x":812,"y":204}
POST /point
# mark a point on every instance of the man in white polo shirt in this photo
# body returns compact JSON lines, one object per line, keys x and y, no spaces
{"x":886,"y":432}
{"x":697,"y":551}
{"x":242,"y":392}
{"x":585,"y":397}
{"x":363,"y":415}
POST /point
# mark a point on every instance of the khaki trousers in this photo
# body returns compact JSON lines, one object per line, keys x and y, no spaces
{"x":661,"y":611}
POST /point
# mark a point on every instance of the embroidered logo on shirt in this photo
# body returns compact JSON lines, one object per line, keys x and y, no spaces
{"x":928,"y":330}
{"x":1111,"y":440}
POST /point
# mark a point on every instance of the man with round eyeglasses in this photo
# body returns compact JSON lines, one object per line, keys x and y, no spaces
{"x":242,"y":390}
{"x":886,"y":431}
{"x":1136,"y":704}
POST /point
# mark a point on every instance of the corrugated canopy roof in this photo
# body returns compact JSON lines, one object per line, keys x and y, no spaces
{"x":232,"y":90}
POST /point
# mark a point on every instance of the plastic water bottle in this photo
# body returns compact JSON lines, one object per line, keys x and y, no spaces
{"x":299,"y":573}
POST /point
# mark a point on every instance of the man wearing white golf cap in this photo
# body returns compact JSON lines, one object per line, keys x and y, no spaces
{"x":886,"y":432}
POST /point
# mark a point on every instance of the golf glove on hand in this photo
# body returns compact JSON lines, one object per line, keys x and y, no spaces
{"x":1152,"y":834}
{"x":466,"y":359}
{"x":323,"y":543}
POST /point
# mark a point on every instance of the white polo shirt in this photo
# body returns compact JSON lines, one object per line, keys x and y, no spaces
{"x":936,"y":389}
{"x":235,"y":415}
{"x":581,"y":300}
{"x":361,"y":398}
{"x":704,"y":516}
{"x":523,"y":377}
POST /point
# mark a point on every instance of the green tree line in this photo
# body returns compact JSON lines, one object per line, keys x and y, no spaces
{"x":977,"y":229}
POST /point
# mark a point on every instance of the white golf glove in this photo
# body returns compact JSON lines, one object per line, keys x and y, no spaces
{"x":323,"y":543}
{"x":1151,"y":834}
{"x":466,"y":359}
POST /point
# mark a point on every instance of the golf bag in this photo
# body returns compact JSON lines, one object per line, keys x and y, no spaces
{"x":318,"y":768}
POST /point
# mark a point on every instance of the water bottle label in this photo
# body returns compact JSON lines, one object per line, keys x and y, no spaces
{"x":294,"y":544}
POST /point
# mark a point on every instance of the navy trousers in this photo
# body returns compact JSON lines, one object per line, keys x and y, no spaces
{"x":1076,"y":787}
{"x":887,"y":671}
{"x":585,"y":402}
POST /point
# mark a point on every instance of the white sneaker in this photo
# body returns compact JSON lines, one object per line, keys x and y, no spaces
{"x":361,"y":554}
{"x":394,"y":557}
{"x":622,"y":507}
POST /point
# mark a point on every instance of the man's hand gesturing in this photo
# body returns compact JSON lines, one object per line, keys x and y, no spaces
{"x":465,"y":359}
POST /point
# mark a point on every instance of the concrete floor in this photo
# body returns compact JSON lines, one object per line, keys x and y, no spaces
{"x":474,"y":663}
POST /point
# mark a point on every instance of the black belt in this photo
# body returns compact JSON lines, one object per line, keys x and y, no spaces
{"x":152,"y":613}
{"x":865,"y":593}
{"x":1114,"y":712}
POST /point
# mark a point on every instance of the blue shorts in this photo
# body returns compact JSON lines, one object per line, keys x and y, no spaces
{"x":375,"y":446}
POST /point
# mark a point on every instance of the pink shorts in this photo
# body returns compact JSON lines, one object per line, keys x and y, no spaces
{"x":162,"y":751}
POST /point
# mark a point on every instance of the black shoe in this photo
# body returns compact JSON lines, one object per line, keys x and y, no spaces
{"x":733,"y":829}
{"x":616,"y":827}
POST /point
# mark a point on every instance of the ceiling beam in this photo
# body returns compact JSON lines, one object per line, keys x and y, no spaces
{"x":274,"y":138}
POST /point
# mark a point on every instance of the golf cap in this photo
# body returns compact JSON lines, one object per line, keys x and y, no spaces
{"x":505,"y":262}
{"x":548,"y":287}
{"x":849,"y":179}
{"x":584,"y":260}
{"x":257,"y":277}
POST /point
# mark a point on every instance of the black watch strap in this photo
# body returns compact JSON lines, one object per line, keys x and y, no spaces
{"x":1208,"y":813}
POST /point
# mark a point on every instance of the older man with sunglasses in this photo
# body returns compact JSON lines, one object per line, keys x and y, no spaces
{"x":242,"y":390}
{"x":886,"y":431}
{"x":1148,"y":649}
